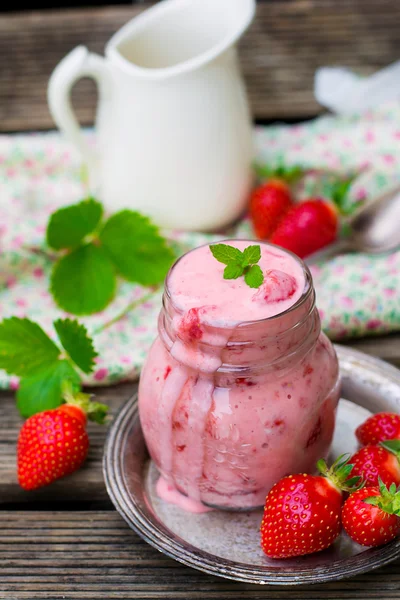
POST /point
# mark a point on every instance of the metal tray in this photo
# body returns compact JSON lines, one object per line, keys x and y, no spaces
{"x":227,"y":544}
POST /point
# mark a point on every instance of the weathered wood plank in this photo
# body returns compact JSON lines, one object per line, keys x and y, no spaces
{"x":56,"y":555}
{"x":288,"y":40}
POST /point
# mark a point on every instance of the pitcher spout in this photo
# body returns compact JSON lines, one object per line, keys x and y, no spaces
{"x":178,"y":36}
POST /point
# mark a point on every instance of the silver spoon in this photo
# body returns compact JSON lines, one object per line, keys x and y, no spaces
{"x":374,"y":229}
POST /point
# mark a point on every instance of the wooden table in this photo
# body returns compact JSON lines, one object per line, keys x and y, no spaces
{"x":67,"y":541}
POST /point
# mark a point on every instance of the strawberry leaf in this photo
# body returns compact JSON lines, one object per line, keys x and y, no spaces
{"x":43,"y":390}
{"x":254,"y":276}
{"x":226,"y":254}
{"x":25,"y":348}
{"x":69,"y":225}
{"x":83,"y":282}
{"x":136,"y":248}
{"x":75,"y":340}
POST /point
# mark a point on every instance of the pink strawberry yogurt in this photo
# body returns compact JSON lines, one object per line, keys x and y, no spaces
{"x":241,"y":387}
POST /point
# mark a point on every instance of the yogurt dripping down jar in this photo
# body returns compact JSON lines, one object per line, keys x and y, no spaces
{"x":228,"y":407}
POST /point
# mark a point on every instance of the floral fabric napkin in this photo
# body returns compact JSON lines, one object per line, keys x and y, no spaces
{"x":356,"y":294}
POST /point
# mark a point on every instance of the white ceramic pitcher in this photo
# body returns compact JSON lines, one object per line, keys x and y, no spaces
{"x":174,"y":137}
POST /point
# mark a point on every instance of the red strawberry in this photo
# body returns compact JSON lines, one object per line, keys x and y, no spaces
{"x":378,"y":428}
{"x":381,"y":461}
{"x":268,"y":205}
{"x":308,"y":227}
{"x":277,"y":286}
{"x":54,"y":443}
{"x":369,"y":516}
{"x":302,"y":512}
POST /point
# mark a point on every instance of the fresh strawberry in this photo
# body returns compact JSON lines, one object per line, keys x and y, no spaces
{"x":268,"y":205}
{"x":55,"y":443}
{"x":277,"y":286}
{"x":371,"y":462}
{"x":378,"y":428}
{"x":302,"y":512}
{"x":307,"y":227}
{"x":369,"y":516}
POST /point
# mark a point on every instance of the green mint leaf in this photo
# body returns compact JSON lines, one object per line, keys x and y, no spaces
{"x":25,"y":348}
{"x":76,"y":341}
{"x":233,"y":271}
{"x":83,"y":282}
{"x":69,"y":225}
{"x":136,"y":248}
{"x":226,"y":254}
{"x":251,"y":255}
{"x":43,"y":391}
{"x":254,"y":276}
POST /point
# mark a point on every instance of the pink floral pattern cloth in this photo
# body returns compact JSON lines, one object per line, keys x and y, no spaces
{"x":356,"y":295}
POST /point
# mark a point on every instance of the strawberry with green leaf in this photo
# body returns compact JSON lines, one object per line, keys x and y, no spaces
{"x":42,"y":366}
{"x":54,"y":443}
{"x":272,"y":199}
{"x":370,"y":516}
{"x":96,"y":251}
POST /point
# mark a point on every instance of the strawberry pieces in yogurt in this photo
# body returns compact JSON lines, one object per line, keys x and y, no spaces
{"x":277,"y":286}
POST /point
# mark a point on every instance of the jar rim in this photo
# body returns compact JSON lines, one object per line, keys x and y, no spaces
{"x":308,"y":280}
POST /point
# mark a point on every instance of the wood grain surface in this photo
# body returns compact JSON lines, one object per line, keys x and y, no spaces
{"x":87,"y":554}
{"x":288,"y":40}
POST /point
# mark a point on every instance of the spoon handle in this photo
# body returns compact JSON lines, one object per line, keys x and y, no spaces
{"x":341,"y":246}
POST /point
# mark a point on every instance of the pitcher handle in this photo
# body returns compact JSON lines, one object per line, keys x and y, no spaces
{"x":77,"y":64}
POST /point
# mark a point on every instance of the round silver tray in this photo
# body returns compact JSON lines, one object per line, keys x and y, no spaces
{"x":227,"y":544}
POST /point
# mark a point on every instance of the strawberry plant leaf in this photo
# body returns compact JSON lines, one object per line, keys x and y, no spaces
{"x":43,"y":390}
{"x":254,"y":276}
{"x":233,"y":271}
{"x":251,"y":255}
{"x":83,"y":282}
{"x":226,"y":254}
{"x":136,"y":248}
{"x":68,"y":226}
{"x":76,"y":341}
{"x":25,"y":348}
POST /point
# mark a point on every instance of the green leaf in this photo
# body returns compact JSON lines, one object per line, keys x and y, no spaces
{"x":226,"y":254}
{"x":251,"y":255}
{"x":280,"y":171}
{"x":25,"y":348}
{"x":84,"y":281}
{"x":339,"y":193}
{"x":254,"y":276}
{"x":69,"y":225}
{"x":233,"y":271}
{"x":392,"y":446}
{"x":76,"y":341}
{"x":136,"y":248}
{"x":43,"y":390}
{"x":373,"y":500}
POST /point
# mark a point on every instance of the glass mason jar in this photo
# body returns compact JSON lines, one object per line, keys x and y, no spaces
{"x":227,"y":414}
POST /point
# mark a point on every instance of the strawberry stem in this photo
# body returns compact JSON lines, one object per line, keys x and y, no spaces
{"x":388,"y":500}
{"x":95,"y":411}
{"x":339,"y":473}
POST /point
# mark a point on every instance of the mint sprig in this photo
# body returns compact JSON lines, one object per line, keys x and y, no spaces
{"x":240,"y":263}
{"x":28,"y":352}
{"x":95,"y":252}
